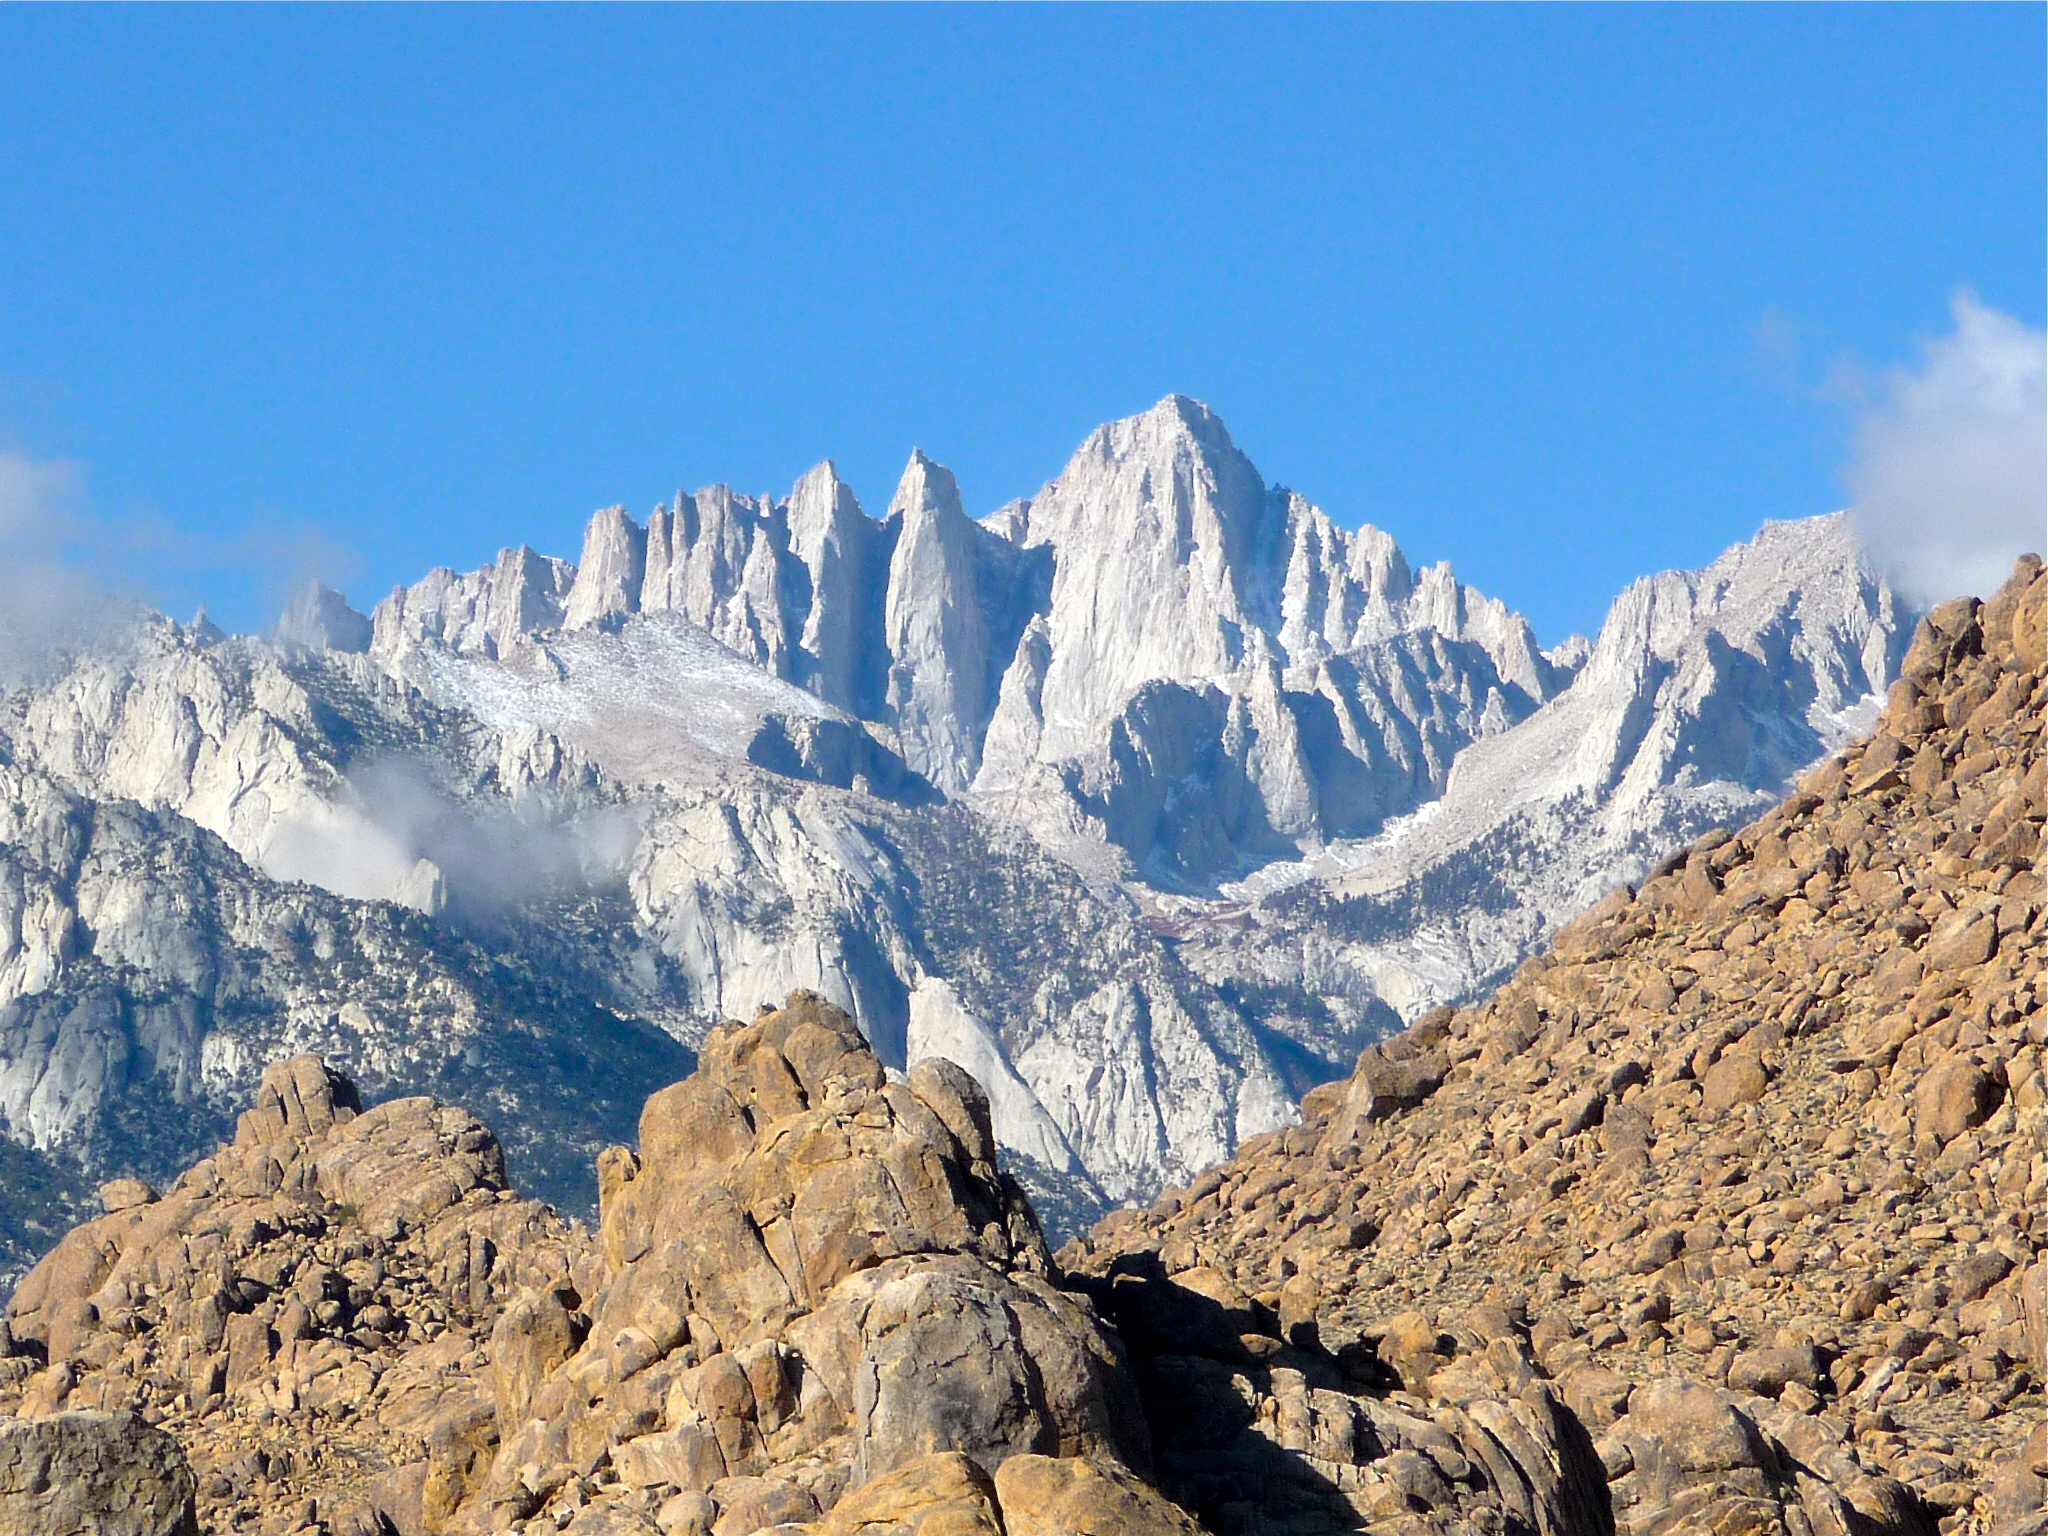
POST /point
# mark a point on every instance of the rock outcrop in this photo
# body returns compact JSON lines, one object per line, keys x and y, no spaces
{"x":1747,"y":1173}
{"x":814,"y":1301}
{"x":812,"y":1279}
{"x":807,"y":1279}
{"x":303,"y":1310}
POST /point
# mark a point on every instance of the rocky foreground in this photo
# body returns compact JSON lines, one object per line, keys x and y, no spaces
{"x":1725,"y":1216}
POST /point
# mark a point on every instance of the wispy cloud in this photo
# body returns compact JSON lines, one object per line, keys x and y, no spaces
{"x":51,"y":602}
{"x":398,"y":832}
{"x":73,"y":578}
{"x":1948,"y":475}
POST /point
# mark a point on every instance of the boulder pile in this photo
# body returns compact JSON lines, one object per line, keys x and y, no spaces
{"x":301,"y":1310}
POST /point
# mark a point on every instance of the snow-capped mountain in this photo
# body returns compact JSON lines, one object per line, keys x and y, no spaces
{"x":1148,"y":798}
{"x":1703,"y":695}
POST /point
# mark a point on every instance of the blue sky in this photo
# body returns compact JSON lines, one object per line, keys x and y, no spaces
{"x":1562,"y":295}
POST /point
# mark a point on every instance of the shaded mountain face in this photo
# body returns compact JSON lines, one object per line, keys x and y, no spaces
{"x":1704,"y":693}
{"x":151,"y":972}
{"x":1149,"y":799}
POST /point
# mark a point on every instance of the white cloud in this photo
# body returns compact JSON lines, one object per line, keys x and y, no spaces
{"x":399,"y":833}
{"x":33,"y":496}
{"x":1948,"y":478}
{"x":49,"y":602}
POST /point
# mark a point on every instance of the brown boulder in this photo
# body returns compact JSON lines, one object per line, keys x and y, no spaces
{"x":1737,"y":1078}
{"x":943,"y":1368}
{"x":2030,"y":624}
{"x":1394,"y":1075}
{"x":1658,"y":1248}
{"x":1977,"y":1274}
{"x":533,"y":1336}
{"x":1412,"y":1348}
{"x":961,"y":1104}
{"x":1767,"y":1372}
{"x":125,"y":1195}
{"x":941,"y":1495}
{"x":297,"y":1098}
{"x":1954,"y":1096}
{"x":1961,"y":940}
{"x":1596,"y":1394}
{"x":1045,"y":1496}
{"x":750,"y":1504}
{"x":610,"y":1520}
{"x":1696,"y":1426}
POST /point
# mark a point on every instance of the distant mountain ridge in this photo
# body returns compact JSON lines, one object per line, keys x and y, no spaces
{"x":1149,"y":798}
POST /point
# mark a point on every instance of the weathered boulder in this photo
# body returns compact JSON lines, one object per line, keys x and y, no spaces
{"x":945,"y":1494}
{"x":1073,"y":1496}
{"x":92,"y":1474}
{"x":1697,"y":1427}
{"x":125,"y":1194}
{"x":297,"y":1098}
{"x":1398,"y":1073}
{"x":1768,"y":1371}
{"x":536,"y":1333}
{"x":1960,"y":940}
{"x":1954,"y":1096}
{"x":1737,"y":1078}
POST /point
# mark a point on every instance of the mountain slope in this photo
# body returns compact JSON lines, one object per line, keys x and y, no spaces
{"x":976,"y":782}
{"x":147,"y":974}
{"x":1704,"y":695}
{"x":1762,"y":1139}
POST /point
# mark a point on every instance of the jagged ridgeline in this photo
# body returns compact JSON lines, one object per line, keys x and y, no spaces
{"x":1725,"y":1214}
{"x":1149,"y":800}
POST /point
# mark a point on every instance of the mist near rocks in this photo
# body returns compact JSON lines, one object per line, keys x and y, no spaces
{"x":51,"y":602}
{"x":1948,"y":478}
{"x":400,"y":834}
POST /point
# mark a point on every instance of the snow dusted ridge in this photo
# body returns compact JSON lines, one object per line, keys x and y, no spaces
{"x":1148,"y":798}
{"x":1704,"y":694}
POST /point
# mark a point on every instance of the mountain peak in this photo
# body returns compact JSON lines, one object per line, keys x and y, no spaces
{"x":320,"y":619}
{"x":927,"y":488}
{"x":1176,"y":426}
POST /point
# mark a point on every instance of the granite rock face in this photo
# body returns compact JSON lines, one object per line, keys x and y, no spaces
{"x":1150,"y":799}
{"x":1747,"y":1172}
{"x":147,"y":972}
{"x":92,"y":1474}
{"x":1704,"y":695}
